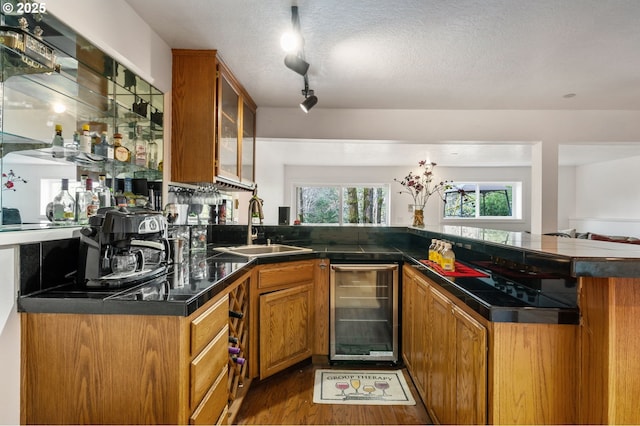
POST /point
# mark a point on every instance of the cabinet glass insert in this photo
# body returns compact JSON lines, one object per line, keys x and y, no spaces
{"x":364,"y":312}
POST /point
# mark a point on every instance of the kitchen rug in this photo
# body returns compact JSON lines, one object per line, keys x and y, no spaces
{"x":361,"y":387}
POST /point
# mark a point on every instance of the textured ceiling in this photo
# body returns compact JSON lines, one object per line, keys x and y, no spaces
{"x":426,"y":54}
{"x":422,"y":54}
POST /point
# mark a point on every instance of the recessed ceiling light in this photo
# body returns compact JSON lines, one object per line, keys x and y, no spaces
{"x":569,"y":95}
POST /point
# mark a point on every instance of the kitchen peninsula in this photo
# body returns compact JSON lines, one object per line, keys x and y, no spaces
{"x":596,"y":331}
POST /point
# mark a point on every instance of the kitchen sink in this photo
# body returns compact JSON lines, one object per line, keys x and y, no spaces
{"x":257,"y":250}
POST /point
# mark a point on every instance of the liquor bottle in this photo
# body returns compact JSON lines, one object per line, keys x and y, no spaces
{"x":100,"y":148}
{"x":110,"y":147}
{"x":82,"y":201}
{"x":235,"y":314}
{"x":93,"y":201}
{"x":234,"y":350}
{"x":57,"y":145}
{"x":85,"y":139}
{"x":104,"y":192}
{"x":63,"y":205}
{"x":233,"y":340}
{"x":140,"y":148}
{"x":237,"y":359}
{"x":128,"y":192}
{"x":71,"y":147}
{"x":152,"y":154}
{"x":120,"y":151}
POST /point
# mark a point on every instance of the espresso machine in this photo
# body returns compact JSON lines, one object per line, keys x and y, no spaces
{"x":122,"y":246}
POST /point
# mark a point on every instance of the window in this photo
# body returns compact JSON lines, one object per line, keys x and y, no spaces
{"x":338,"y":204}
{"x":483,"y":200}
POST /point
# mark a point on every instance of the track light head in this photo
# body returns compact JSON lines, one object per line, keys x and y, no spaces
{"x":297,"y":64}
{"x":309,"y":101}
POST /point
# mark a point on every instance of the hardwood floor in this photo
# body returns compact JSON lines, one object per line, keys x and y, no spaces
{"x":287,"y":398}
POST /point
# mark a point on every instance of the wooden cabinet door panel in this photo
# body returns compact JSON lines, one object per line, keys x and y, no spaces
{"x":470,"y":355}
{"x":408,"y":326}
{"x":440,"y":361}
{"x":421,"y":335}
{"x":286,"y":327}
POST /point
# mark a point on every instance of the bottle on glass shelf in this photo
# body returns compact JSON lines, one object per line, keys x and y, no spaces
{"x":128,"y":192}
{"x":63,"y":205}
{"x":448,"y":258}
{"x":74,"y":145}
{"x":103,"y":192}
{"x":57,"y":144}
{"x":152,"y":155}
{"x":82,"y":201}
{"x":110,"y":147}
{"x":85,"y":139}
{"x":140,"y":148}
{"x":120,"y":152}
{"x":93,"y":203}
{"x":101,"y":147}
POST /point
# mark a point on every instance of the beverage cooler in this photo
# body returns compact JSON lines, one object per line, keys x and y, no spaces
{"x":364,"y":312}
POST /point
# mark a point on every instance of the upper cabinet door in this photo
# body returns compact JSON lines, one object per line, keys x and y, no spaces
{"x":228,"y":129}
{"x":247,"y":173}
{"x":213,"y":123}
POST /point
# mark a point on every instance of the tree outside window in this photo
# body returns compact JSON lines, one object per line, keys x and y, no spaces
{"x":362,"y":204}
{"x":482,"y":200}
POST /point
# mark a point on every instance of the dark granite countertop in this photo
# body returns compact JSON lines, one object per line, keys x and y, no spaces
{"x":189,"y":285}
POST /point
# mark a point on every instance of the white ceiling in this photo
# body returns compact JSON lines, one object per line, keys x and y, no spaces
{"x":424,"y":54}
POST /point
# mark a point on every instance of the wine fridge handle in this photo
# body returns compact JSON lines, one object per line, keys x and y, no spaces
{"x":364,"y":267}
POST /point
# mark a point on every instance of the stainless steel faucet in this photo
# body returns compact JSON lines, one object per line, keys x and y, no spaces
{"x":255,"y":206}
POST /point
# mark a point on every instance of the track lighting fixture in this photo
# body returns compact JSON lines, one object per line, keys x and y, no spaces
{"x":309,"y":98}
{"x":296,"y":63}
{"x":295,"y":59}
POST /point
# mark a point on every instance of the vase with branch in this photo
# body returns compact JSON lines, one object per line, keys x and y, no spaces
{"x":421,"y":186}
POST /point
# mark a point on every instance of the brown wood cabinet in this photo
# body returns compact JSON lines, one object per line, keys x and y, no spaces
{"x":213,"y":121}
{"x":284,"y":312}
{"x":476,"y":371}
{"x":126,"y":369}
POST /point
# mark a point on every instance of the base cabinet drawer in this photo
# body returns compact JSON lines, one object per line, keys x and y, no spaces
{"x":214,"y":403}
{"x":206,"y":326}
{"x":207,"y":366}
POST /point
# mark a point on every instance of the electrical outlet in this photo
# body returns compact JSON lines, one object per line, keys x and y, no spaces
{"x":410,"y":209}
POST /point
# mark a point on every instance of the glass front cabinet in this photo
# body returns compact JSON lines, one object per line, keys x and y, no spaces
{"x":55,"y":81}
{"x":214,"y":122}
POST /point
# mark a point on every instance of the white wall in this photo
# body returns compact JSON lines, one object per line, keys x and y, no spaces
{"x":608,"y":197}
{"x":566,"y":196}
{"x":279,"y":178}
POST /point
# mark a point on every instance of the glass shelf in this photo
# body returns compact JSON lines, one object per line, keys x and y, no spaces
{"x":82,"y":86}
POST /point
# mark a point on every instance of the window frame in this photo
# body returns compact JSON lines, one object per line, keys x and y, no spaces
{"x":516,"y":200}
